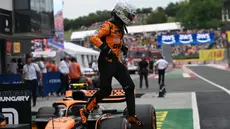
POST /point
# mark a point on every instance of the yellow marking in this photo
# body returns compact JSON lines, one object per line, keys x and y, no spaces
{"x":160,"y":118}
{"x":159,"y":126}
{"x":159,"y":123}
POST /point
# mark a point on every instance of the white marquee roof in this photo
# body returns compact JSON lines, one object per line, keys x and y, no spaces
{"x":134,"y":29}
{"x":74,"y":49}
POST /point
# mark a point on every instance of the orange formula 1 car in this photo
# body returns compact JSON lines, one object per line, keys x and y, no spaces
{"x":64,"y":114}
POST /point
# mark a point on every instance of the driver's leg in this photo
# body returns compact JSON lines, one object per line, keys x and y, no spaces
{"x":125,"y":80}
{"x":106,"y":75}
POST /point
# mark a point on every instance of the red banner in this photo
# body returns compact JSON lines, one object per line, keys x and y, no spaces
{"x":8,"y":47}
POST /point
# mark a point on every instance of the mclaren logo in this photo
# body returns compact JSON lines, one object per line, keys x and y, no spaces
{"x":11,"y":114}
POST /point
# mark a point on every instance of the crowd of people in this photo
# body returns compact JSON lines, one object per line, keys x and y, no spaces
{"x":16,"y":65}
{"x":33,"y":70}
{"x":194,"y":49}
{"x":188,"y":49}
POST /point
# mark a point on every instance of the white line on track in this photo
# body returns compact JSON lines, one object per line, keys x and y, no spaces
{"x":214,"y":84}
{"x":196,"y":119}
{"x":195,"y":112}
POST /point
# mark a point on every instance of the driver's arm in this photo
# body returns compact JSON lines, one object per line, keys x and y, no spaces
{"x":104,"y":30}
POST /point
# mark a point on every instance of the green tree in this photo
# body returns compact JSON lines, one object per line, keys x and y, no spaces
{"x":160,"y":9}
{"x":146,"y":10}
{"x":86,"y":21}
{"x":138,"y":10}
{"x":67,"y":24}
{"x":172,"y":9}
{"x":200,"y":14}
{"x":157,"y":16}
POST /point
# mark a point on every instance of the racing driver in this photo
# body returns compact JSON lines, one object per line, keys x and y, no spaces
{"x":109,"y":38}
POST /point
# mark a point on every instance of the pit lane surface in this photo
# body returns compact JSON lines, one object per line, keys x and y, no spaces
{"x":212,"y":102}
{"x":173,"y":84}
{"x":214,"y":106}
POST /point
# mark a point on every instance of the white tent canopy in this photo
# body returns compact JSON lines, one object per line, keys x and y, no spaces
{"x":81,"y":34}
{"x":44,"y":54}
{"x":134,"y":29}
{"x":71,"y":48}
{"x":154,"y":27}
{"x":83,"y":55}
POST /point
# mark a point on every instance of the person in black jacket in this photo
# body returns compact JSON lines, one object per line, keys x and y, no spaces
{"x":151,"y":65}
{"x":143,"y":71}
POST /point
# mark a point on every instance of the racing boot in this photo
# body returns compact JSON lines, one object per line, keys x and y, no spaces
{"x":84,"y":115}
{"x":135,"y":120}
{"x":84,"y":112}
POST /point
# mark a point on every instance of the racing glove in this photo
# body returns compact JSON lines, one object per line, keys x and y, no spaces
{"x":124,"y":49}
{"x":106,"y":49}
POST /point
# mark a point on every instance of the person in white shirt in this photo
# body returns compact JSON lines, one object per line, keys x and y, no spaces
{"x":64,"y":74}
{"x":95,"y":66}
{"x":162,"y":65}
{"x":42,"y":65}
{"x":30,"y":76}
{"x":13,"y":66}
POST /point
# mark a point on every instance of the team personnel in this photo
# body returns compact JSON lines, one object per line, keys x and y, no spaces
{"x":95,"y":66}
{"x":109,"y":39}
{"x":162,"y":65}
{"x":143,"y":72}
{"x":64,"y":74}
{"x":42,"y":65}
{"x":74,"y":71}
{"x":30,"y":77}
{"x":51,"y":67}
{"x":151,"y":64}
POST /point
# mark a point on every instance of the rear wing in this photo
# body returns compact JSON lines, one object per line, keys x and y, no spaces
{"x":117,"y":95}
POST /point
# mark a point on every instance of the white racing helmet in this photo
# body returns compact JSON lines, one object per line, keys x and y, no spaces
{"x":126,"y":12}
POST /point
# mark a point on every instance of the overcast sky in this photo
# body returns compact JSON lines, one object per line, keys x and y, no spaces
{"x":76,"y":8}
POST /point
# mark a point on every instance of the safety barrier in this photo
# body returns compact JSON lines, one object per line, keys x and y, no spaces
{"x":51,"y":81}
{"x":180,"y":63}
{"x":212,"y":54}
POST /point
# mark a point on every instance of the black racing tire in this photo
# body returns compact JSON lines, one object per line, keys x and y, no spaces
{"x":114,"y":123}
{"x":44,"y":112}
{"x":146,"y":114}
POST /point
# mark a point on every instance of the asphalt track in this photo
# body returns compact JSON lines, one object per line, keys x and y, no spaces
{"x":213,"y":103}
{"x":214,"y":106}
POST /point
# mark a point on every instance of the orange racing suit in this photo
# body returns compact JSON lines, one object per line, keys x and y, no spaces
{"x":110,"y":34}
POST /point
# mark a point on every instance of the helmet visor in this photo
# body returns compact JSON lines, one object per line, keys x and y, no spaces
{"x":130,"y":16}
